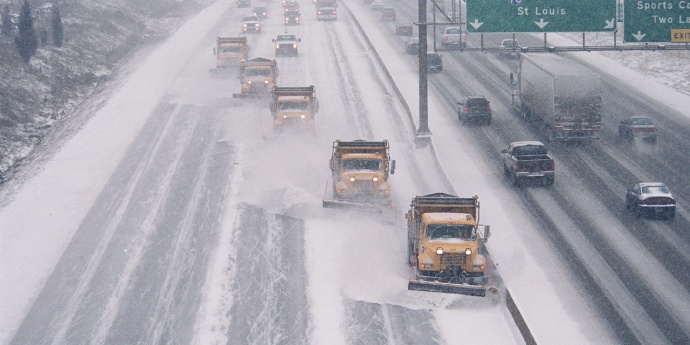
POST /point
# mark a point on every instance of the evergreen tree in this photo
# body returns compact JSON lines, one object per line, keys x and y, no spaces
{"x":6,"y":27}
{"x":27,"y":42}
{"x":58,"y":32}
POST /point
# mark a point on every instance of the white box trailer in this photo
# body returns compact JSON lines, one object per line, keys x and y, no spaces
{"x":563,"y":96}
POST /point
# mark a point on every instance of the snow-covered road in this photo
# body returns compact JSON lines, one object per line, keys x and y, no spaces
{"x":169,"y":218}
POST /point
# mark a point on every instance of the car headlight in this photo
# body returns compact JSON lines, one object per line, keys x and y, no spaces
{"x":303,"y":116}
{"x":439,"y":251}
{"x":249,"y":81}
{"x":468,"y":251}
{"x":352,"y":179}
{"x":245,"y":25}
{"x":285,"y":116}
{"x":375,"y":178}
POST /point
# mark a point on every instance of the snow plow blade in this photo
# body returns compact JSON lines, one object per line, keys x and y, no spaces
{"x":462,"y":289}
{"x":353,"y":205}
{"x":250,"y":95}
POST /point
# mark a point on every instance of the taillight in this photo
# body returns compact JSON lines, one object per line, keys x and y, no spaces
{"x":632,"y":129}
{"x":489,"y":107}
{"x":653,"y":129}
{"x":517,"y":166}
{"x":465,"y":109}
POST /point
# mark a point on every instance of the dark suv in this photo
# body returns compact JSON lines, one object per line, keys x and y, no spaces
{"x":434,"y":63}
{"x":474,"y":109}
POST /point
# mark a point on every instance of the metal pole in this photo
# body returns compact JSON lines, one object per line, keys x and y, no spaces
{"x":423,"y":129}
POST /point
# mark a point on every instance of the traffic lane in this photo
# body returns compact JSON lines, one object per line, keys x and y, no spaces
{"x":511,"y":133}
{"x":115,"y":236}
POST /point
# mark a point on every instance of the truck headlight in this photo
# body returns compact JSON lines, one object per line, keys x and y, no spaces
{"x":352,"y":179}
{"x":249,"y":81}
{"x":439,"y":251}
{"x":277,"y":46}
{"x":294,"y":46}
{"x":285,"y":116}
{"x":265,"y":81}
{"x":303,"y":116}
{"x":376,"y":178}
{"x":468,"y":251}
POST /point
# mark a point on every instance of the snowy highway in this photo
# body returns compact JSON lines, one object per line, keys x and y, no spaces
{"x":176,"y":216}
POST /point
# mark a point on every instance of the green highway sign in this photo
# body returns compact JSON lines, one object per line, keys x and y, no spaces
{"x":656,"y":21}
{"x":541,"y":15}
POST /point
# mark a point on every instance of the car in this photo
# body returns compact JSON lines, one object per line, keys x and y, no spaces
{"x":388,"y":14}
{"x":651,"y":198}
{"x":412,"y":45}
{"x":434,"y":62}
{"x":261,"y":12}
{"x":291,"y":5}
{"x":453,"y":38}
{"x":509,"y":48}
{"x":474,"y":109}
{"x":376,"y":5}
{"x":292,"y":17}
{"x":403,"y":30}
{"x":251,"y":24}
{"x":637,"y":126}
{"x":286,"y":44}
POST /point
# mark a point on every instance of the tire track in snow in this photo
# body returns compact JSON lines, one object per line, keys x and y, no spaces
{"x":270,"y":303}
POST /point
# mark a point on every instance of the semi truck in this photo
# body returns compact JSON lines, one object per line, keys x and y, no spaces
{"x":230,"y":51}
{"x":446,"y":245}
{"x":560,"y":95}
{"x":360,"y":171}
{"x":258,"y":76}
{"x":294,"y":106}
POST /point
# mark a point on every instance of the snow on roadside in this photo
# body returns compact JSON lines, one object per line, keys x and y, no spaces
{"x":36,"y":228}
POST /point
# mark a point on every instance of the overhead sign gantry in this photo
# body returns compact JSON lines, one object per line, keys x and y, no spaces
{"x":656,"y":21}
{"x":541,"y":15}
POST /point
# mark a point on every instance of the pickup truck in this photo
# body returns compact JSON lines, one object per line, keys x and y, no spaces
{"x":452,"y":38}
{"x":528,"y":160}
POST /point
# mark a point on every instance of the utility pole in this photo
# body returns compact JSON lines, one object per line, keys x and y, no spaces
{"x":423,"y":132}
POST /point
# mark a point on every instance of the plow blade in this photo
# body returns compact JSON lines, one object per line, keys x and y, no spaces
{"x":462,"y":289}
{"x":353,"y":205}
{"x":249,"y":95}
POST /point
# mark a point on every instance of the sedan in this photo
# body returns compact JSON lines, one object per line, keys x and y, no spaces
{"x":651,"y":198}
{"x":412,"y":46}
{"x":637,"y":126}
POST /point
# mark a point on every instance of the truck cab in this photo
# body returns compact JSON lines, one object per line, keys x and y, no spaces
{"x":294,"y":106}
{"x":258,"y":76}
{"x":361,"y":170}
{"x":230,"y":51}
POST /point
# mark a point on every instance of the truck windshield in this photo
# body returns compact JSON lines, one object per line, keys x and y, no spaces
{"x":258,"y":72}
{"x":362,"y":164}
{"x":230,"y":49}
{"x":529,"y":150}
{"x":293,"y":105}
{"x":450,"y":231}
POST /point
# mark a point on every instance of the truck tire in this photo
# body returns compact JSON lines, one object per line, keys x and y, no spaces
{"x":514,"y":179}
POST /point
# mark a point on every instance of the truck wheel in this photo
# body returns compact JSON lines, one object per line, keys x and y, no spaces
{"x":514,"y":179}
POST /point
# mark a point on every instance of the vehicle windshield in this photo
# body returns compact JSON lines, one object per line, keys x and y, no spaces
{"x":453,"y":31}
{"x":354,"y":164}
{"x":641,"y":121}
{"x":655,"y":190}
{"x":529,"y":150}
{"x":450,"y":231}
{"x":433,"y":58}
{"x":477,"y":102}
{"x":286,"y":38}
{"x":299,"y":105}
{"x":292,"y":13}
{"x":510,"y":43}
{"x":230,"y":49}
{"x":257,"y":72}
{"x":250,"y":19}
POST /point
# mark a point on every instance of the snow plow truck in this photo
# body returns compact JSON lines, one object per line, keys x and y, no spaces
{"x":294,"y":106}
{"x":446,"y":245}
{"x":258,"y":76}
{"x":360,"y":172}
{"x":230,"y":51}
